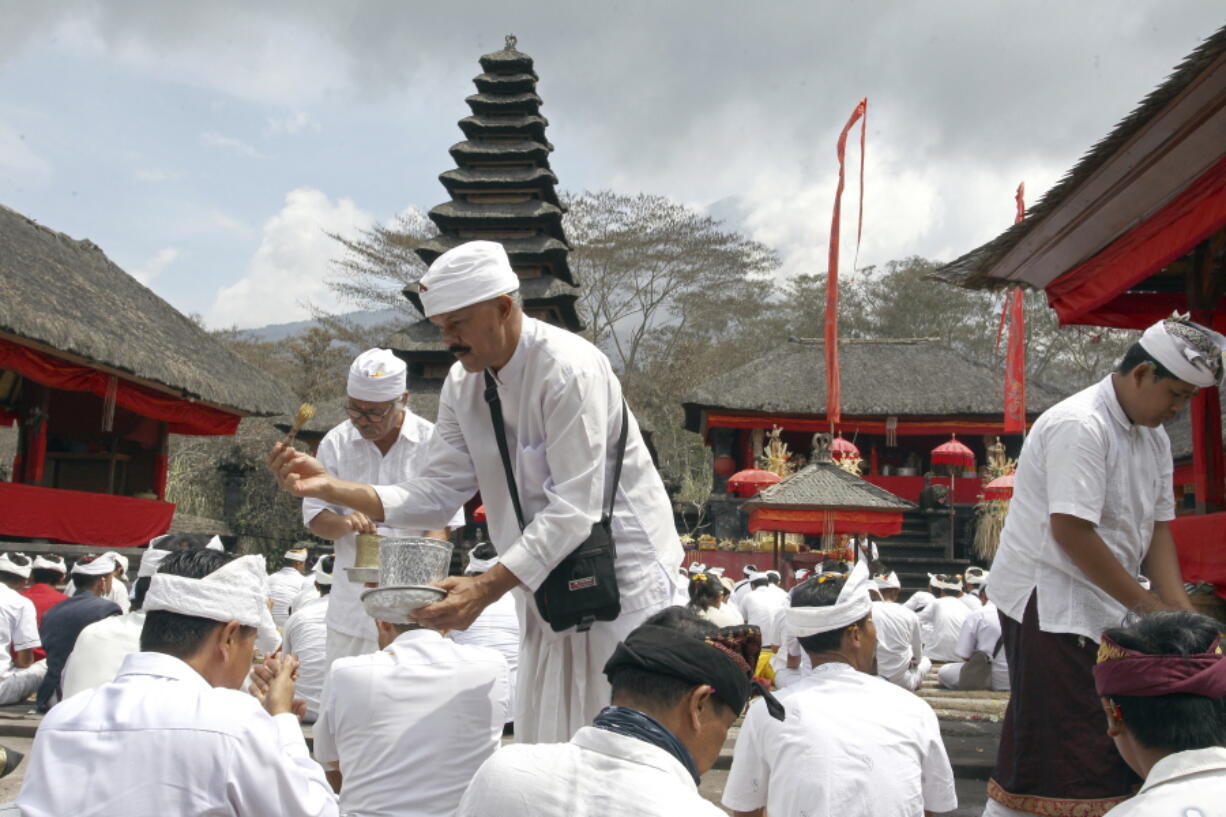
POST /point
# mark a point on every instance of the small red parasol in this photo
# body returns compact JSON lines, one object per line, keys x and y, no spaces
{"x":953,"y":453}
{"x":479,"y":514}
{"x":752,"y":480}
{"x":1000,"y":488}
{"x":842,"y":449}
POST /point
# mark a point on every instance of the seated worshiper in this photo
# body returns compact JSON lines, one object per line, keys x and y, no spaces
{"x":20,"y":672}
{"x":402,"y":731}
{"x":900,"y":643}
{"x":101,"y":647}
{"x":744,"y":586}
{"x":1163,"y":687}
{"x":497,"y":626}
{"x":65,"y":621}
{"x":119,"y":588}
{"x":172,"y":734}
{"x":942,"y":620}
{"x":707,"y":600}
{"x":305,"y":636}
{"x":920,"y":599}
{"x":852,"y":744}
{"x":979,"y":643}
{"x":976,"y":580}
{"x":285,"y":585}
{"x":47,"y":574}
{"x":761,"y":608}
{"x":678,"y":685}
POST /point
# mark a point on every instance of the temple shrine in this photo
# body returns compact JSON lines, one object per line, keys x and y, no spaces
{"x":502,"y":189}
{"x":96,"y":373}
{"x":1135,"y":231}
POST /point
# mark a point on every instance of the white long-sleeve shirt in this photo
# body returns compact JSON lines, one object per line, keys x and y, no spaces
{"x":159,"y":740}
{"x":346,"y":454}
{"x":899,"y":641}
{"x":497,"y":627}
{"x":1083,"y":458}
{"x":409,"y":726}
{"x":562,"y":408}
{"x":941,"y":623}
{"x":306,"y":636}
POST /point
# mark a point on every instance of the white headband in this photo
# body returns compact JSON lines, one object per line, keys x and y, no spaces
{"x":321,"y":576}
{"x":377,"y":376}
{"x":888,"y":582}
{"x":748,"y":570}
{"x":852,"y":605}
{"x":236,"y":591}
{"x":120,"y":560}
{"x":975,"y":576}
{"x":149,"y":562}
{"x":50,"y":563}
{"x":101,"y":566}
{"x":939,"y":584}
{"x":9,"y":566}
{"x":1180,"y":358}
{"x":697,"y":567}
{"x":299,"y":555}
{"x":465,"y":275}
{"x":716,"y":571}
{"x":215,"y":544}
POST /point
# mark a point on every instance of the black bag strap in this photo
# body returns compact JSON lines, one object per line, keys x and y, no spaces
{"x":1000,"y":642}
{"x":500,"y":434}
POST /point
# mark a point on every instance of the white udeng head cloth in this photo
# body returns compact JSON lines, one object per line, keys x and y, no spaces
{"x":321,"y":575}
{"x":51,"y":562}
{"x":1191,"y":352}
{"x":888,"y":582}
{"x":150,"y":560}
{"x":236,"y":591}
{"x":102,"y":566}
{"x":8,"y":565}
{"x":298,"y":555}
{"x":476,"y":565}
{"x":465,"y":275}
{"x":852,"y":605}
{"x":948,"y":583}
{"x":975,"y":576}
{"x":377,"y":376}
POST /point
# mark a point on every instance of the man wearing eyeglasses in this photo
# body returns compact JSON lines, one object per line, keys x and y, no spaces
{"x":382,"y":442}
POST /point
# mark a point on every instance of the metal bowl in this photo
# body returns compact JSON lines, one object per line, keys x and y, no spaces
{"x":393,"y":604}
{"x":413,"y":561}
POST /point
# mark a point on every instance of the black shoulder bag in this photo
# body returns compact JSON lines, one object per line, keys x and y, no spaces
{"x":582,"y":589}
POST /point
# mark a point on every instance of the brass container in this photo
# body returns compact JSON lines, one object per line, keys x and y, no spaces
{"x":368,"y":550}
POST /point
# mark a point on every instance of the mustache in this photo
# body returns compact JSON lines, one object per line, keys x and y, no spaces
{"x":457,"y":349}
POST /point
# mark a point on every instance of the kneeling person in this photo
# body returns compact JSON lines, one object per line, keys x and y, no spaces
{"x":172,"y":735}
{"x":853,"y":744}
{"x":678,"y":685}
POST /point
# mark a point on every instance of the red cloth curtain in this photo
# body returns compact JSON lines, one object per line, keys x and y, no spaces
{"x":831,"y":337}
{"x":1200,"y":542}
{"x":181,"y":415}
{"x":81,"y":518}
{"x":814,"y":523}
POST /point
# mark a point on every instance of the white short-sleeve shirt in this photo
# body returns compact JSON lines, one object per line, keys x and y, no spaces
{"x":851,"y":744}
{"x":18,"y":626}
{"x":981,"y":633}
{"x":306,"y":636}
{"x":899,"y":642}
{"x":347,"y":455}
{"x":941,"y":623}
{"x":1084,"y":458}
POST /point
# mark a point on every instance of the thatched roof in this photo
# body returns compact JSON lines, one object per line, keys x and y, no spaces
{"x":910,"y":377}
{"x":971,"y":270}
{"x":186,"y":523}
{"x":824,"y":485}
{"x":67,"y":295}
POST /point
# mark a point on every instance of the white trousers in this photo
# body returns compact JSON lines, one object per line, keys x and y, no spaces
{"x":339,"y":645}
{"x":22,"y":683}
{"x":911,"y":679}
{"x":561,"y":684}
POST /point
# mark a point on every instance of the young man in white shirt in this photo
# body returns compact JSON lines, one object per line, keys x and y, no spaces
{"x":678,"y":685}
{"x":562,"y":412}
{"x":305,"y":637}
{"x":980,"y":634}
{"x":852,"y":744}
{"x":20,"y":674}
{"x":287,"y":583}
{"x":383,"y":442}
{"x":900,"y":643}
{"x":172,"y":734}
{"x":1091,"y":503}
{"x":761,"y":606}
{"x":1163,"y":687}
{"x":941,"y":621}
{"x":402,"y":731}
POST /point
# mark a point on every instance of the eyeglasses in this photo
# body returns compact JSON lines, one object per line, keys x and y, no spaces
{"x":368,"y":416}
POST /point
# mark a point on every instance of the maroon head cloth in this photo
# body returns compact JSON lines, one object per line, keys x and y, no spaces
{"x":1121,"y":671}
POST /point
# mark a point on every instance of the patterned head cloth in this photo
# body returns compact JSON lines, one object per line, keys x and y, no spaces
{"x":1121,"y":671}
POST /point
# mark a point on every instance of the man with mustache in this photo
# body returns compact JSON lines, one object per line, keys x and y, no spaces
{"x":383,"y":441}
{"x":1092,"y":499}
{"x":563,"y":415}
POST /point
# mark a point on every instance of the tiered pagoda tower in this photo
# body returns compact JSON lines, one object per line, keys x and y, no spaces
{"x":502,"y":189}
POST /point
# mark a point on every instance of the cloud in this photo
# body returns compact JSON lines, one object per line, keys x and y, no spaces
{"x":18,"y":159}
{"x":291,"y":264}
{"x":292,"y":123}
{"x":217,"y":140}
{"x":155,"y":266}
{"x":154,"y":175}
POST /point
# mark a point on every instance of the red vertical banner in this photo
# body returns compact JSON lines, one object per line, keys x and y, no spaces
{"x":834,"y":391}
{"x":1013,"y":312}
{"x":161,"y":465}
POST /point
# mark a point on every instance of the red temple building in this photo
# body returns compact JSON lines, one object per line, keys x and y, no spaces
{"x":96,"y":373}
{"x":1135,"y":231}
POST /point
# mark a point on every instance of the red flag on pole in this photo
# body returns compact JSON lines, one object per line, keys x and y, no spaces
{"x":1015,"y":357}
{"x":833,"y":387}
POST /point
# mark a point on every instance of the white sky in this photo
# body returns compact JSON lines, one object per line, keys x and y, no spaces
{"x":206,"y":147}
